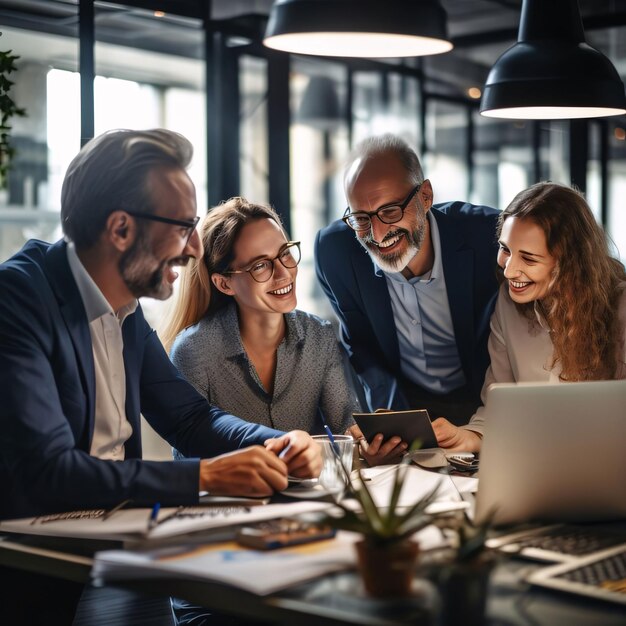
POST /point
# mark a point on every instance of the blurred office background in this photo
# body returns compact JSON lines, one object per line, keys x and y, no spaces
{"x":276,"y":127}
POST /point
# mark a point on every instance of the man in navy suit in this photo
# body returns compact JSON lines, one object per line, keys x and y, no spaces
{"x":413,"y":285}
{"x":79,"y":363}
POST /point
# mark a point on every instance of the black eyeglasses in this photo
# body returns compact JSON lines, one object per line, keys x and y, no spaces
{"x":190,"y":225}
{"x":387,"y":214}
{"x":262,"y":270}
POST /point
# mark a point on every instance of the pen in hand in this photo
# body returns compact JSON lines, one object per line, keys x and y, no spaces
{"x":154,"y":515}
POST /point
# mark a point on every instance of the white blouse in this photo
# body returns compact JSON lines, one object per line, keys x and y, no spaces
{"x":521,"y":350}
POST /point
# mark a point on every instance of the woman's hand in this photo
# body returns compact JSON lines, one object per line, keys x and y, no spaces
{"x":455,"y":439}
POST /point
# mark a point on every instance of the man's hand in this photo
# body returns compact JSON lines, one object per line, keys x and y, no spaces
{"x":301,"y":454}
{"x":379,"y":452}
{"x":455,"y":439}
{"x":249,"y":472}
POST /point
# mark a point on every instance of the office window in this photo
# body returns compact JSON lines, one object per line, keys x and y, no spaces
{"x":385,"y":102}
{"x":445,"y":162}
{"x":29,"y":206}
{"x":253,"y":129}
{"x":616,"y":224}
{"x":319,"y":147}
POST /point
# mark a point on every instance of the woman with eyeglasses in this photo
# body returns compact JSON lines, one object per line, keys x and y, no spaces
{"x":561,"y":310}
{"x":235,"y":334}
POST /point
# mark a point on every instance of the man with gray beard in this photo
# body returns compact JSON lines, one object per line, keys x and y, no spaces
{"x":413,"y":285}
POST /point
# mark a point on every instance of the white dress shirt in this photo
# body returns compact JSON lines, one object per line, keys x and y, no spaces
{"x":111,"y":428}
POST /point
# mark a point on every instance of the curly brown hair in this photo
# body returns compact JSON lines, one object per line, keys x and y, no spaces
{"x":581,"y":307}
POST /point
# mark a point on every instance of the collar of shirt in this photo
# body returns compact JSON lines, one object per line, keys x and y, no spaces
{"x":96,"y":305}
{"x":433,"y":273}
{"x":232,"y":336}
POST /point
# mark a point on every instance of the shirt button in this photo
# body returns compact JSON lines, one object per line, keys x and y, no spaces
{"x":415,"y":322}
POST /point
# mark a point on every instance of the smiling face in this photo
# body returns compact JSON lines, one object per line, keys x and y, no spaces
{"x":524,"y":257}
{"x":147,"y":267}
{"x":380,"y":181}
{"x":259,"y":239}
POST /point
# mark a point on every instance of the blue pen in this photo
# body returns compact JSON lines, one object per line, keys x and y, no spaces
{"x":153,"y":519}
{"x":333,"y":443}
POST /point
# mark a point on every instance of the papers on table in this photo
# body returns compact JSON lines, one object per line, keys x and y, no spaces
{"x":260,"y":572}
{"x":172,"y":549}
{"x":132,"y":524}
{"x":417,"y":484}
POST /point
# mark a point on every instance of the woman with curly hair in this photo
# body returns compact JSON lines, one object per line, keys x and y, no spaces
{"x":561,"y":310}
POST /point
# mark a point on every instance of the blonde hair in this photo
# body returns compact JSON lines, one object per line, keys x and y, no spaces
{"x":197,"y":296}
{"x":581,"y":306}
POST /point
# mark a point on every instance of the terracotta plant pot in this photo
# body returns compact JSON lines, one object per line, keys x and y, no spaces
{"x":387,"y":570}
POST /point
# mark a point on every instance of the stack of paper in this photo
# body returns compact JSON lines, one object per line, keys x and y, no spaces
{"x":261,"y":572}
{"x":130,"y":525}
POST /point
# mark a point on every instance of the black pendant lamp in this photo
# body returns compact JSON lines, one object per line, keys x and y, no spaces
{"x":358,"y":28}
{"x":320,"y":107}
{"x":551,"y":72}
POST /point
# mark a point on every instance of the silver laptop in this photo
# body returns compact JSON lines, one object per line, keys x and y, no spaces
{"x":553,"y":453}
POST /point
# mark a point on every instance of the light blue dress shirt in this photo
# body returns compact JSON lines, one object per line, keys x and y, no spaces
{"x":429,"y":355}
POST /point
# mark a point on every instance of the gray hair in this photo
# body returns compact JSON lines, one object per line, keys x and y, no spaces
{"x":388,"y":144}
{"x":111,"y":172}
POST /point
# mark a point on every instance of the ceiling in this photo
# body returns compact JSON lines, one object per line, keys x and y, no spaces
{"x":480,"y":29}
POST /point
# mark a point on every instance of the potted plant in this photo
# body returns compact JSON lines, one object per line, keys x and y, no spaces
{"x":386,"y":556}
{"x":462,"y":575}
{"x":8,"y":109}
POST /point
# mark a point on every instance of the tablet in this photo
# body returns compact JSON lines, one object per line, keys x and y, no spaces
{"x":408,"y":425}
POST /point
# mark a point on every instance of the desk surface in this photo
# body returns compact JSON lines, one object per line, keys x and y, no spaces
{"x":337,"y":598}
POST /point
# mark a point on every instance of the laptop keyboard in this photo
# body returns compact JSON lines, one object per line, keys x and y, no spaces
{"x":574,"y":541}
{"x":608,"y":573}
{"x":560,"y":543}
{"x":601,"y":576}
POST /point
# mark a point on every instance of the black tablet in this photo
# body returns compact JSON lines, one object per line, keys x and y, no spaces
{"x":408,"y":425}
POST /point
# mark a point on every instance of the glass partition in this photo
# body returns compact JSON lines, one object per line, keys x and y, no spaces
{"x":445,"y":162}
{"x":319,"y":147}
{"x":43,"y":139}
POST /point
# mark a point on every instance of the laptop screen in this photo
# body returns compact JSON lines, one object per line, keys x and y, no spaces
{"x":553,"y":453}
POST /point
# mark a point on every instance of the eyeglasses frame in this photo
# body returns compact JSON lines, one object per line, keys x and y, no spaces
{"x":190,"y":224}
{"x":287,"y":244}
{"x":402,"y":205}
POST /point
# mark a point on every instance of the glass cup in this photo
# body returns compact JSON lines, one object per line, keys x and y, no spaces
{"x":332,"y":476}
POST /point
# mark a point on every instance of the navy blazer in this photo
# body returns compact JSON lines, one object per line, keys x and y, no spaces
{"x":47,"y":401}
{"x":362,"y":303}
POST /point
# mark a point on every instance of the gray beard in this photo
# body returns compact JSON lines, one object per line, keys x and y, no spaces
{"x":398,"y":261}
{"x":142,"y":273}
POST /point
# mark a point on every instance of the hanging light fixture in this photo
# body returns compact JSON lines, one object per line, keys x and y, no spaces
{"x":358,"y":28}
{"x":551,"y":72}
{"x":320,"y":107}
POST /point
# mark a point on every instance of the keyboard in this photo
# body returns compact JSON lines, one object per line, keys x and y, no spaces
{"x":601,"y":575}
{"x":560,"y":543}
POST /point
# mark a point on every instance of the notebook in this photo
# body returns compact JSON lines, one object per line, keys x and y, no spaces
{"x":553,"y":453}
